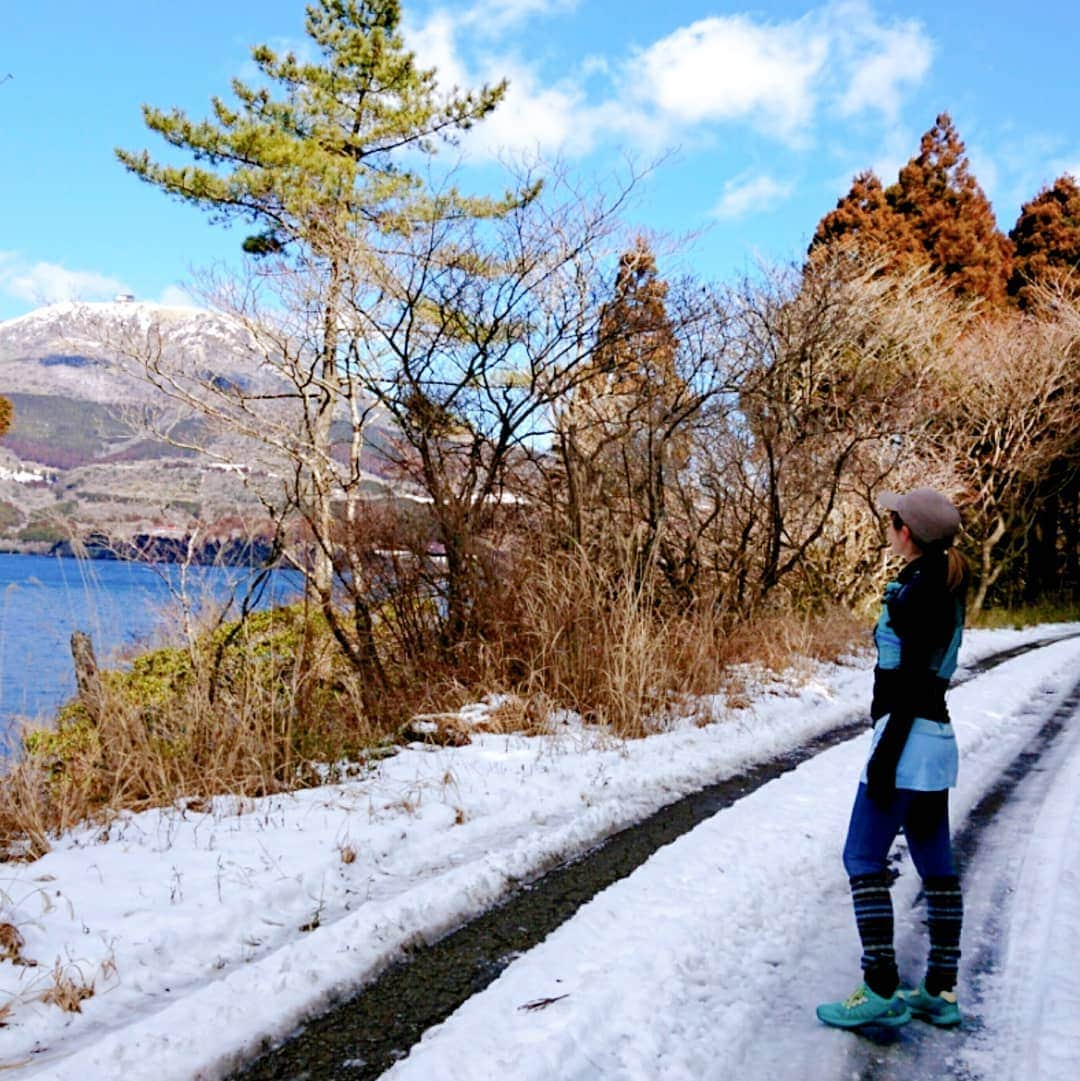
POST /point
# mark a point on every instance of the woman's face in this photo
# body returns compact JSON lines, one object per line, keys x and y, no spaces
{"x":900,"y":541}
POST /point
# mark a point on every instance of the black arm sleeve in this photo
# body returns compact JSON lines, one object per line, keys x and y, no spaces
{"x":916,"y":615}
{"x":881,"y":769}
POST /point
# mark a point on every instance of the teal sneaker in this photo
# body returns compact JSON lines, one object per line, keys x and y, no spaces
{"x":864,"y":1007}
{"x":939,"y":1010}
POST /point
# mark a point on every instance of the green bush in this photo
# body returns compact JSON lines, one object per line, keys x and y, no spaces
{"x":278,"y":671}
{"x":73,"y":737}
{"x":37,"y":529}
{"x":9,"y":516}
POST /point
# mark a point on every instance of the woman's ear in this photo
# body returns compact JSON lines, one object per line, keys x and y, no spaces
{"x":908,"y":543}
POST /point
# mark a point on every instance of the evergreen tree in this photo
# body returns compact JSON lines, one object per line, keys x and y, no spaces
{"x":5,"y":416}
{"x":865,"y":222}
{"x":935,"y":214}
{"x":323,"y":157}
{"x":315,"y":151}
{"x":951,"y":217}
{"x":620,"y":428}
{"x":1047,"y":239}
{"x":636,"y":351}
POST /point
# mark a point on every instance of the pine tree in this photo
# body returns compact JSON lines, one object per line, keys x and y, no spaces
{"x":316,"y":150}
{"x":1047,"y":239}
{"x":635,"y":353}
{"x":865,"y":223}
{"x":322,"y":158}
{"x":951,"y":217}
{"x":5,"y":416}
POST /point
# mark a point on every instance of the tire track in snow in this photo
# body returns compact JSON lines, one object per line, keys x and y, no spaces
{"x":365,"y":1035}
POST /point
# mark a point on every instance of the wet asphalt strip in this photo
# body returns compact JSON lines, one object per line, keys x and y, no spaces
{"x":917,"y":1052}
{"x":361,"y":1037}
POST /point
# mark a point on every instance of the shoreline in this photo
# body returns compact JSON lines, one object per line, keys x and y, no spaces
{"x":150,"y":548}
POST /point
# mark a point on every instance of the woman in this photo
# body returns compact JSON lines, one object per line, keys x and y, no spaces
{"x":912,"y":765}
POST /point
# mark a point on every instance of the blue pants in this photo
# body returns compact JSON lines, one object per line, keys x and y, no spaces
{"x":924,"y":818}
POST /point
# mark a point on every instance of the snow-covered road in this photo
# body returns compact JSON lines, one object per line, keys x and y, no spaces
{"x":206,"y":934}
{"x":707,"y":961}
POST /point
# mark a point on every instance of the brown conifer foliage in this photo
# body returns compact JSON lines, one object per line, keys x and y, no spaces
{"x":865,"y":222}
{"x":5,"y":416}
{"x":951,"y":217}
{"x":623,"y":433}
{"x":1047,"y":239}
{"x":636,"y":351}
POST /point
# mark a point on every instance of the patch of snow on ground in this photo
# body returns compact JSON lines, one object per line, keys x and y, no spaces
{"x":204,"y":934}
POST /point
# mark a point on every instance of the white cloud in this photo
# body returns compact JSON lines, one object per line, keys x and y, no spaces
{"x":176,"y":296}
{"x":493,"y":17}
{"x":729,"y":67}
{"x":771,"y":77}
{"x":434,"y":43}
{"x":745,"y":195}
{"x":534,"y":118}
{"x":531,"y":118}
{"x":881,"y":61}
{"x":47,"y":283}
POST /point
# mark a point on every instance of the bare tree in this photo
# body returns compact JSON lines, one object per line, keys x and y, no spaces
{"x":623,"y":434}
{"x":457,"y":346}
{"x":1007,"y":428}
{"x":832,"y":369}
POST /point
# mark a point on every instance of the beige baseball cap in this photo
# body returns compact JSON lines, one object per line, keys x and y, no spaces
{"x":929,"y":515}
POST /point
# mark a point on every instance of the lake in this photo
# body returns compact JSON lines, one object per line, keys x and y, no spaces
{"x":120,"y":605}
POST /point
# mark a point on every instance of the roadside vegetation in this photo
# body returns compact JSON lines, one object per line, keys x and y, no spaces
{"x":614,"y":488}
{"x":1028,"y":615}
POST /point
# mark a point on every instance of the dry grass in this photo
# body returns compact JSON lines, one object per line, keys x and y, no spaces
{"x":782,"y":639}
{"x":619,"y":658}
{"x":270,"y":711}
{"x":69,"y":988}
{"x":180,"y":726}
{"x":438,"y":729}
{"x":11,"y":944}
{"x":1022,"y":616}
{"x":528,"y":715}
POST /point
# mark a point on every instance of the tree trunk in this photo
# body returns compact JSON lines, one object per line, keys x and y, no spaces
{"x":87,"y":679}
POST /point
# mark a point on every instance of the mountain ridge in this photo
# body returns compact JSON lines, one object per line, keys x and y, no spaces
{"x":79,"y":464}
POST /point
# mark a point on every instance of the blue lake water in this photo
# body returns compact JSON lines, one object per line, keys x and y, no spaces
{"x":120,"y":605}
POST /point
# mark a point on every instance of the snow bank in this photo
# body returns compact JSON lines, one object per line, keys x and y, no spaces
{"x":204,"y":935}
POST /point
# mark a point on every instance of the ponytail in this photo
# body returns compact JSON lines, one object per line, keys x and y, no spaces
{"x":957,"y":573}
{"x":957,"y":570}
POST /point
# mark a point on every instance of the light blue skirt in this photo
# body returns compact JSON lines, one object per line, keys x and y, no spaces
{"x":930,"y":761}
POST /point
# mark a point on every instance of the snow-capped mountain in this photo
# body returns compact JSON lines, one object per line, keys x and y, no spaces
{"x":91,"y":351}
{"x":79,"y":461}
{"x":80,"y":457}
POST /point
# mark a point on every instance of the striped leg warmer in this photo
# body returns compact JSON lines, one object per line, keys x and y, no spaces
{"x":944,"y":918}
{"x":874,"y":918}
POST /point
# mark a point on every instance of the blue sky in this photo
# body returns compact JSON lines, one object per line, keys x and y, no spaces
{"x":768,"y":109}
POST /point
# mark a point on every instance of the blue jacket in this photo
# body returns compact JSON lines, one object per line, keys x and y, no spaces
{"x":918,"y":639}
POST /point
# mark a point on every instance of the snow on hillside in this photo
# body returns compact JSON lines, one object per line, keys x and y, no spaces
{"x":69,"y":320}
{"x":76,"y":349}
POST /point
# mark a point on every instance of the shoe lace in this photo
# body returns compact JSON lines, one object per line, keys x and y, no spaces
{"x":856,"y":998}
